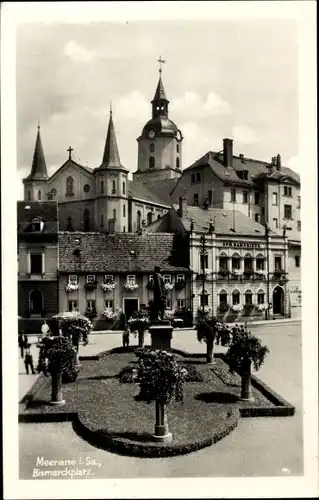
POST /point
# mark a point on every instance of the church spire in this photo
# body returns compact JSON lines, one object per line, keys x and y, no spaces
{"x":111,"y":157}
{"x":39,"y":168}
{"x":160,"y":101}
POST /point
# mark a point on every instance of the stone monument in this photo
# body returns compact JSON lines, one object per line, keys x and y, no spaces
{"x":160,"y":329}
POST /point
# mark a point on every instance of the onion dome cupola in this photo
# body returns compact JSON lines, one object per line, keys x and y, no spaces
{"x":39,"y":167}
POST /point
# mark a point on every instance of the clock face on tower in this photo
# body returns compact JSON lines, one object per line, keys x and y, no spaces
{"x":151,"y":134}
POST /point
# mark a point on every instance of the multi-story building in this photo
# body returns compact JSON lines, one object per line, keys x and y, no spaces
{"x":37,"y":262}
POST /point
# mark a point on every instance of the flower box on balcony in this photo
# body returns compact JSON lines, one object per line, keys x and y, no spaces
{"x":223,"y":308}
{"x":71,"y":288}
{"x":237,"y":308}
{"x":179,"y":285}
{"x":108,"y":287}
{"x":237,"y":273}
{"x":278,"y":273}
{"x":130,"y":287}
{"x":150,"y":285}
{"x":260,"y":273}
{"x":248,"y":273}
{"x":168,"y":286}
{"x":223,"y":273}
{"x":90,"y":286}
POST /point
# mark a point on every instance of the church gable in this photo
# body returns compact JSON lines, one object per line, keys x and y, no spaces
{"x":71,"y":182}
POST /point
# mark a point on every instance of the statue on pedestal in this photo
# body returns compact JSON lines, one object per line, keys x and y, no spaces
{"x":158,"y":306}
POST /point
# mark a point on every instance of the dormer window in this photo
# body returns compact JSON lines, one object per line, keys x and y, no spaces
{"x":243,"y":174}
{"x":37,"y":225}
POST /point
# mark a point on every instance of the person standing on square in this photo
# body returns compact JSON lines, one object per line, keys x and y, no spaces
{"x":22,"y":343}
{"x":44,"y":328}
{"x":28,"y":360}
{"x":126,"y":337}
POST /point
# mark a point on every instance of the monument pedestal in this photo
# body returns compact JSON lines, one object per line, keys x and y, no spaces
{"x":161,"y":434}
{"x":161,"y":334}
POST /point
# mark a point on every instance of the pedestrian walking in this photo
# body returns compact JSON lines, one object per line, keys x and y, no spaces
{"x":28,"y":360}
{"x":126,"y":337}
{"x":22,"y":343}
{"x":45,"y":328}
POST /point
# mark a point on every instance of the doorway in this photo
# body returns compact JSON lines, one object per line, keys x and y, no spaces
{"x":278,"y":300}
{"x":36,"y":302}
{"x":130,"y":307}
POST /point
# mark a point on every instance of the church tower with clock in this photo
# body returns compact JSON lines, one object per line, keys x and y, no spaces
{"x":160,"y":143}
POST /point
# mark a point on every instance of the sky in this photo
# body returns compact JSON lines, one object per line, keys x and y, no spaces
{"x":223,"y":78}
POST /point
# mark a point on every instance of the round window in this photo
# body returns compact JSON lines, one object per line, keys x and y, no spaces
{"x":86,"y":188}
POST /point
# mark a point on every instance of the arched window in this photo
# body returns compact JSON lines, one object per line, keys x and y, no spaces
{"x":152,"y":147}
{"x":86,"y":220}
{"x":235,"y":261}
{"x":69,"y":185}
{"x":29,"y":195}
{"x":260,"y":297}
{"x":36,"y":302}
{"x":113,"y":187}
{"x":177,"y":162}
{"x":223,"y":262}
{"x":39,"y":195}
{"x":123,"y":187}
{"x":114,"y":213}
{"x":248,"y":298}
{"x":260,"y":262}
{"x":152,"y":162}
{"x":223,"y":298}
{"x":124,"y":212}
{"x":159,"y":216}
{"x":177,"y":148}
{"x":248,"y":262}
{"x":236,"y":297}
{"x":138,"y":219}
{"x":204,"y":298}
{"x":149,"y":218}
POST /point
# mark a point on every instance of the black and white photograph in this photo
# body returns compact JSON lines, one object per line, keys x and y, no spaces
{"x":162,"y":311}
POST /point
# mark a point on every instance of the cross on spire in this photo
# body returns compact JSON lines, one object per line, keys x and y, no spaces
{"x":70,"y":152}
{"x":161,"y":61}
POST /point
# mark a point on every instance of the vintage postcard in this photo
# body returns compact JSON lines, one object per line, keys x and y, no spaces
{"x":159,"y":251}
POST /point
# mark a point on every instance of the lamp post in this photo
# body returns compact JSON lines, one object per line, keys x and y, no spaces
{"x":203,"y":253}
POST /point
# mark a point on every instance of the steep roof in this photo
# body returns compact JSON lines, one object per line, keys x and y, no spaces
{"x":47,"y":211}
{"x":160,"y":92}
{"x":118,"y":252}
{"x":111,"y":157}
{"x":39,"y":167}
{"x":141,"y":191}
{"x":223,"y":220}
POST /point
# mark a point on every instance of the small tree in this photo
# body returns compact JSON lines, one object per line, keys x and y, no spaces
{"x":57,"y":358}
{"x":161,"y":378}
{"x":244,"y":351}
{"x":139,"y":323}
{"x":76,"y":329}
{"x":210,"y":330}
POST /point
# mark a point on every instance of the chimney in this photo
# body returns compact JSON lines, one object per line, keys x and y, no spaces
{"x":228,"y":152}
{"x":182,"y":210}
{"x":278,"y":163}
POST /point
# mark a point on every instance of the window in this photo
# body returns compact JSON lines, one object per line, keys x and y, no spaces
{"x":298,"y":201}
{"x":124,"y":229}
{"x":235,"y":262}
{"x":37,"y":225}
{"x":102,"y":187}
{"x":29,"y":195}
{"x":36,"y":263}
{"x":204,"y":300}
{"x":257,"y":217}
{"x":39,"y":195}
{"x":124,"y":210}
{"x":167,"y":278}
{"x":152,"y":147}
{"x":114,"y":213}
{"x":260,"y":297}
{"x":223,"y":298}
{"x":177,"y":162}
{"x":90,"y":278}
{"x":287,"y":191}
{"x":86,"y":220}
{"x":149,"y":218}
{"x":108,"y":304}
{"x":236,"y":297}
{"x":180,"y":278}
{"x":198,"y":177}
{"x":287,"y":212}
{"x":248,"y":263}
{"x":151,"y":277}
{"x":113,"y":187}
{"x":195,"y":199}
{"x":168,"y":304}
{"x":102,"y":220}
{"x":298,"y":225}
{"x":275,"y":223}
{"x":90,"y":304}
{"x":204,"y":261}
{"x":159,"y":216}
{"x":262,"y":210}
{"x":73,"y":305}
{"x":297,"y":260}
{"x":245,"y":196}
{"x":256,"y":198}
{"x":123,"y":187}
{"x":177,"y":148}
{"x":277,"y":263}
{"x":210,"y":196}
{"x":193,"y":178}
{"x":138,"y":219}
{"x":73,"y":279}
{"x":69,"y":185}
{"x":275,"y":198}
{"x":180,"y":303}
{"x":260,"y":263}
{"x":152,"y":162}
{"x":223,"y":262}
{"x":86,"y":188}
{"x":233,"y":195}
{"x":131,"y":279}
{"x":248,"y":298}
{"x":108,"y":278}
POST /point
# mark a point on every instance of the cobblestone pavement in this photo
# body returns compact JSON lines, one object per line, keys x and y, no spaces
{"x":257,"y":447}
